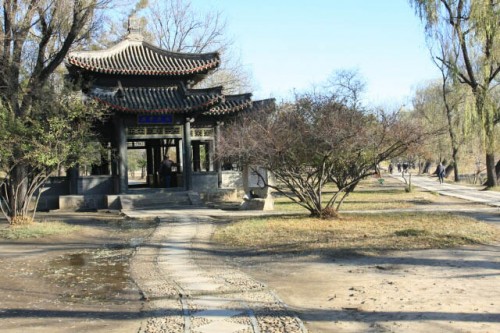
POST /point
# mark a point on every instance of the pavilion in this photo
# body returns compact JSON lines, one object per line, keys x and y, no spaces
{"x":154,"y":107}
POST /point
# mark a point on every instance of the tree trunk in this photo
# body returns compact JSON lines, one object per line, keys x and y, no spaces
{"x":497,"y":169}
{"x":454,"y":156}
{"x":489,"y":133}
{"x":18,"y":190}
{"x":490,"y":156}
{"x":455,"y":170}
{"x":490,"y":170}
{"x":448,"y":170}
{"x":427,"y":166}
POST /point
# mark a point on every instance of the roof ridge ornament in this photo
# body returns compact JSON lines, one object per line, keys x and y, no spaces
{"x":135,"y":29}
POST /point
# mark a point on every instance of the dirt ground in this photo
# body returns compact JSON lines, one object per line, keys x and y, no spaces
{"x":442,"y":290}
{"x":415,"y":291}
{"x":81,"y":283}
{"x":72,"y":283}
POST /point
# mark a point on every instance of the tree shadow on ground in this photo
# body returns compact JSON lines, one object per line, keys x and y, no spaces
{"x":306,"y":314}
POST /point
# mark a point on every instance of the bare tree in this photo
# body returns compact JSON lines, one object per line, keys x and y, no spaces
{"x":35,"y":36}
{"x":428,"y":113}
{"x":472,"y":29}
{"x":177,"y":26}
{"x":316,"y":140}
{"x":349,"y":85}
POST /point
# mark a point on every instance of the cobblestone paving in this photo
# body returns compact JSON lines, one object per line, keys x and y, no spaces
{"x":187,"y":288}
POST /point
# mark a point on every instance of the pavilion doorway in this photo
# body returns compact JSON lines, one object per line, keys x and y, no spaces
{"x":144,"y":159}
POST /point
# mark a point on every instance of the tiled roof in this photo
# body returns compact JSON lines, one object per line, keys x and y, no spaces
{"x":158,"y":100}
{"x":133,"y":56}
{"x":231,"y":104}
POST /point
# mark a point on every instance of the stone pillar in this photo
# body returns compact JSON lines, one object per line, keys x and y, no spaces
{"x":178,"y":154}
{"x":188,"y":172}
{"x":121,"y":135}
{"x":246,"y":176}
{"x":73,"y":175}
{"x":218,"y":162}
{"x":114,"y":169}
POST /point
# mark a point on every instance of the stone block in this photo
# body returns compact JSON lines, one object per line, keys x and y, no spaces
{"x":81,"y":202}
{"x":258,"y":204}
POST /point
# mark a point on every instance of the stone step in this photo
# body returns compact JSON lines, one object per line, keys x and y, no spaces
{"x":154,"y":200}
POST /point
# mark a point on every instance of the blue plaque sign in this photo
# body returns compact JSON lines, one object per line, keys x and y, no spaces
{"x":155,"y":119}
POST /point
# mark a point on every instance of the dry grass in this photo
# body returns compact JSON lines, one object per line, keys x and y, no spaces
{"x":364,"y":201}
{"x":370,"y":196}
{"x":36,"y":230}
{"x":493,"y":188}
{"x":357,"y":233}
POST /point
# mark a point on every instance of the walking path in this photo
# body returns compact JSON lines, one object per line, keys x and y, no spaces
{"x":187,"y":289}
{"x":490,"y":198}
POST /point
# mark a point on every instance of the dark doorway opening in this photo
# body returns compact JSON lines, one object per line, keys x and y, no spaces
{"x":144,"y":161}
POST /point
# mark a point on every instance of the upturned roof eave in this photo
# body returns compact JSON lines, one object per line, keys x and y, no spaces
{"x":166,"y":100}
{"x":126,"y":42}
{"x":85,"y":60}
{"x":181,"y":110}
{"x":231,"y":105}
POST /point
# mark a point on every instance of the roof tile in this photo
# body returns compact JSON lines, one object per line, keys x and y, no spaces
{"x":142,"y":58}
{"x":158,"y":100}
{"x":231,"y":104}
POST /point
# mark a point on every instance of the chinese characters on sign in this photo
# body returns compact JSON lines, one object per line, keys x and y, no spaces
{"x":156,"y":119}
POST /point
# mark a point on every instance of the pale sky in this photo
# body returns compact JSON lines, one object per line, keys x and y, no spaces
{"x":292,"y":44}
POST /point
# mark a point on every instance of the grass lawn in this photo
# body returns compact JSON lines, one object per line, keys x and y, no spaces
{"x":369,"y":195}
{"x":357,"y":232}
{"x":368,"y":200}
{"x":361,"y":233}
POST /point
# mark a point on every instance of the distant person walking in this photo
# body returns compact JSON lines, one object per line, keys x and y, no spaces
{"x":166,"y":170}
{"x":441,"y":172}
{"x":405,"y":167}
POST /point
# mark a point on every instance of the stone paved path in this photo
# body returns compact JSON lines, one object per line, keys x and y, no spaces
{"x":187,"y":288}
{"x":490,"y":198}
